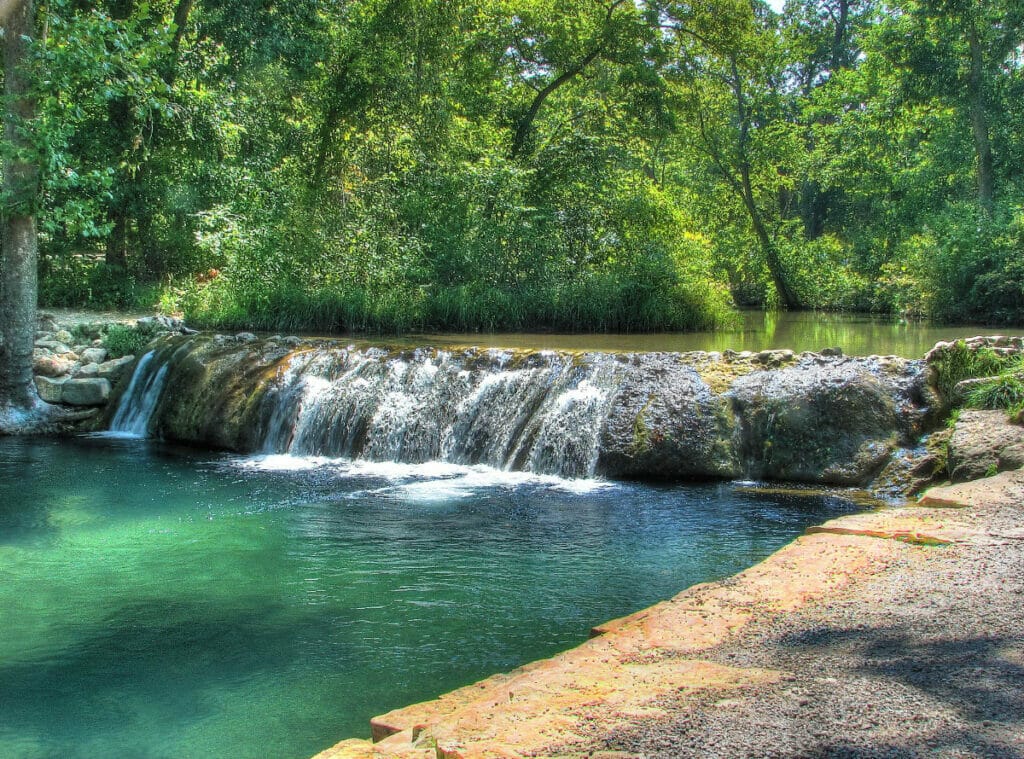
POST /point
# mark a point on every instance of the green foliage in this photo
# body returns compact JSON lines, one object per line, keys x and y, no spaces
{"x":121,"y":340}
{"x":398,"y":165}
{"x":967,"y":266}
{"x":80,"y":281}
{"x":1003,"y":391}
{"x":960,"y":362}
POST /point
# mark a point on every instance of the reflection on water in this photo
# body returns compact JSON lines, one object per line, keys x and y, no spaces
{"x":857,"y":335}
{"x":156,"y":602}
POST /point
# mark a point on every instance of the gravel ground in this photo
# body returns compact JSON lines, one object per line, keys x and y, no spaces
{"x":925,"y":659}
{"x":70,"y":317}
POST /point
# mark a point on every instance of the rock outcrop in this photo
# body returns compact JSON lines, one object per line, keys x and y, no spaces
{"x":666,"y":422}
{"x":73,"y":368}
{"x":808,"y":418}
{"x":984,"y":443}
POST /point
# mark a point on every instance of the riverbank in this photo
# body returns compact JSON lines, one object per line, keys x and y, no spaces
{"x":894,"y":633}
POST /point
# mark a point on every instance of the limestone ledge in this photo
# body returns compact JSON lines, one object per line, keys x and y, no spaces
{"x":619,"y":675}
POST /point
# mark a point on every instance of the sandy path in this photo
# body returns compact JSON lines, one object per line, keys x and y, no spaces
{"x":925,"y":658}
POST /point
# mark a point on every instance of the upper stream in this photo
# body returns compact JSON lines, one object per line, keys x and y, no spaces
{"x":158,"y":602}
{"x":856,"y":334}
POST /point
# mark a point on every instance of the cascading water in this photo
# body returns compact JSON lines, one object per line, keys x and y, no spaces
{"x":539,"y":413}
{"x":807,"y":418}
{"x":140,"y":399}
{"x":542,"y":417}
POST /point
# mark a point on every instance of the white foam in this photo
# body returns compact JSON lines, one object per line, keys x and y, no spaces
{"x":116,"y":435}
{"x":432,"y":480}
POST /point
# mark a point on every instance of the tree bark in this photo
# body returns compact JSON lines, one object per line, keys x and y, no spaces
{"x":19,"y":282}
{"x":122,"y":122}
{"x":764,"y":238}
{"x":979,"y":120}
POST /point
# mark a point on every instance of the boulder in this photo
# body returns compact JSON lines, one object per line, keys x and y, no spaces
{"x":114,"y":369}
{"x":835,"y":422}
{"x":87,"y":370}
{"x":161,"y":323}
{"x":63,"y":336}
{"x":984,"y":443}
{"x":50,"y":390}
{"x":47,"y":322}
{"x":52,"y":366}
{"x":666,"y":422}
{"x":774,"y":358}
{"x":86,"y":392}
{"x":94,"y":355}
{"x":53,"y":345}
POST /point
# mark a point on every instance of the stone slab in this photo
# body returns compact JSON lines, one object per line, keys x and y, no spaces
{"x":86,"y":392}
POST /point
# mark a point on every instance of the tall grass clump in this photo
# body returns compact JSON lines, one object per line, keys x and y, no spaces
{"x":961,"y":362}
{"x":122,"y":340}
{"x":1004,"y":391}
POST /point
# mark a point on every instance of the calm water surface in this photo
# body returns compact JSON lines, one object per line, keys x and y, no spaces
{"x":857,"y":335}
{"x":156,"y":602}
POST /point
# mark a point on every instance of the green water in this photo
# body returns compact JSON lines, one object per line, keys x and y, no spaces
{"x":856,"y":334}
{"x":156,"y":602}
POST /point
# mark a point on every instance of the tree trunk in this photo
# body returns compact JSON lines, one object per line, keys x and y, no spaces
{"x":746,"y":189}
{"x":122,"y":121}
{"x":525,"y":124}
{"x":979,"y":120}
{"x":19,"y":282}
{"x":840,"y":51}
{"x":768,"y":249}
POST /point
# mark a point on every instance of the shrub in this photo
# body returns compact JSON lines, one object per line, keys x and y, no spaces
{"x":960,"y":362}
{"x":121,"y":340}
{"x":1004,"y":391}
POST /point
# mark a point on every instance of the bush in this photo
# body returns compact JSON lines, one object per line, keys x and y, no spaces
{"x":121,"y":340}
{"x":960,"y":362}
{"x":969,"y":267}
{"x":1004,"y":391}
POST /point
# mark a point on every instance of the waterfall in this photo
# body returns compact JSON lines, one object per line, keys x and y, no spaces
{"x":140,"y":399}
{"x":435,"y":405}
{"x":810,"y":418}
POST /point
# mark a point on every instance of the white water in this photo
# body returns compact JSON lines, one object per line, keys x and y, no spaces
{"x":140,"y":399}
{"x":433,"y":480}
{"x":542,"y":415}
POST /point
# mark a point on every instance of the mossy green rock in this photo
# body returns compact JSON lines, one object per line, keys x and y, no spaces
{"x":666,"y":422}
{"x":834,"y":422}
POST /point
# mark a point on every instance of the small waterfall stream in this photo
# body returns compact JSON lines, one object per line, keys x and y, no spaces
{"x":543,"y":416}
{"x":141,"y":397}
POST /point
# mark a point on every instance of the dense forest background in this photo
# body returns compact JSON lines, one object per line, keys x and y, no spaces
{"x":508,"y":164}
